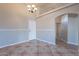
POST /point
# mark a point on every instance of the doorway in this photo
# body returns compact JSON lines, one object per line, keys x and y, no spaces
{"x":61,"y":29}
{"x":58,"y":32}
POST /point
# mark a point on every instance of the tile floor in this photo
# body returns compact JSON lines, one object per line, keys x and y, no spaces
{"x":39,"y":48}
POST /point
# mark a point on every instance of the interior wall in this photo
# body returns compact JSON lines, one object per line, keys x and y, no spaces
{"x":64,"y":27}
{"x":73,"y":29}
{"x":78,"y":30}
{"x":46,"y":29}
{"x":13,"y":27}
{"x":47,"y":22}
{"x":32,"y":28}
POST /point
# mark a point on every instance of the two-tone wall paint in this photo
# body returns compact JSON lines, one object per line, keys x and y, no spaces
{"x":46,"y":29}
{"x":15,"y":29}
{"x":47,"y":22}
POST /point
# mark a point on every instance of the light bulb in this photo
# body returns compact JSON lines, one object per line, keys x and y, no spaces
{"x":35,"y":8}
{"x":28,"y":6}
{"x":33,"y":5}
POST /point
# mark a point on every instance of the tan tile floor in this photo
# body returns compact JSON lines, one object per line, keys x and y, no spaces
{"x":39,"y":48}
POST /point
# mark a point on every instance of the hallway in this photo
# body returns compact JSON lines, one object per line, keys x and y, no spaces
{"x":39,"y":48}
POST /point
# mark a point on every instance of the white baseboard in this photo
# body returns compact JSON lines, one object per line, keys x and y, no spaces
{"x":46,"y":42}
{"x":15,"y":43}
{"x":72,"y":43}
{"x":26,"y":41}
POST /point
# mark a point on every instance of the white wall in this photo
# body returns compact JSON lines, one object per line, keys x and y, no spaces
{"x":78,"y":30}
{"x":73,"y":29}
{"x":32,"y":28}
{"x":64,"y":27}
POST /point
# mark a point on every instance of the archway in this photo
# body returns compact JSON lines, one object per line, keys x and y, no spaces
{"x":67,"y":28}
{"x":61,"y":28}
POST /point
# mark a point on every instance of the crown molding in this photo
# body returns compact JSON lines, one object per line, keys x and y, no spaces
{"x":54,"y":10}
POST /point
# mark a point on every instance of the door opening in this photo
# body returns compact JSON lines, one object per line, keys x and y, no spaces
{"x":61,"y":29}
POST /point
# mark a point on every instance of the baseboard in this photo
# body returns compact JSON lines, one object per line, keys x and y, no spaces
{"x":15,"y":43}
{"x":26,"y":41}
{"x":72,"y":43}
{"x":46,"y":42}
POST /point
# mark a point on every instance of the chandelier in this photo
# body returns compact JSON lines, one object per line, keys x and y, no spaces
{"x":31,"y":9}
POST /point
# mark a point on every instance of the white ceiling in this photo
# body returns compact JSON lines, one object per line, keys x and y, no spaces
{"x":45,"y":7}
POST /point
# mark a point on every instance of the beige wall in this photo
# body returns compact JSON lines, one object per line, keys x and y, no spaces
{"x":13,"y":25}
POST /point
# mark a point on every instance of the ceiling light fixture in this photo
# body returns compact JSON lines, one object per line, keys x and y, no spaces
{"x":31,"y":8}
